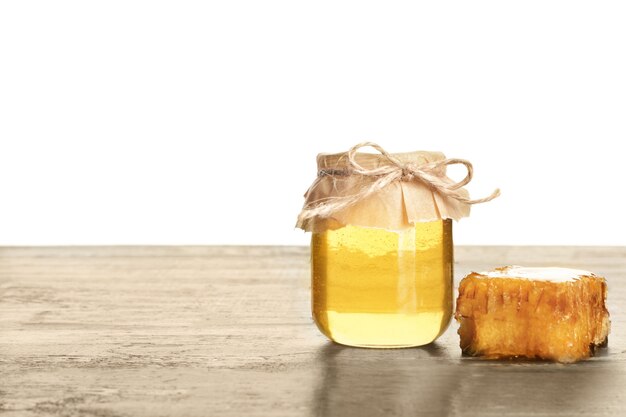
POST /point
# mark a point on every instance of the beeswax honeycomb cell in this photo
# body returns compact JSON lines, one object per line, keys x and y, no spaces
{"x":555,"y":314}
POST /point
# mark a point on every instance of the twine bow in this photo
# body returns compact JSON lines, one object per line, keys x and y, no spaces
{"x":430,"y":174}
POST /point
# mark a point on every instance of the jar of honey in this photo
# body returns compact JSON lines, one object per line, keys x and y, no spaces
{"x":381,"y":246}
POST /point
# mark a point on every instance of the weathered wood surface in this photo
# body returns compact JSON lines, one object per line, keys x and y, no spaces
{"x":226,"y":331}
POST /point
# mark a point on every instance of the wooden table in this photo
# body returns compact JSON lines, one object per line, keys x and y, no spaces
{"x":226,"y":331}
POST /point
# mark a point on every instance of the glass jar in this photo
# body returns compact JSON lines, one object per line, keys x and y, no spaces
{"x":381,"y":247}
{"x":379,"y":288}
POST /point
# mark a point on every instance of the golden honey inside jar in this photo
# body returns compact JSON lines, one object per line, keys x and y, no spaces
{"x":379,"y":288}
{"x":381,"y":246}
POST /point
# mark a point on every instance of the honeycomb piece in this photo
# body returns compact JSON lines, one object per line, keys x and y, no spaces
{"x":556,"y":314}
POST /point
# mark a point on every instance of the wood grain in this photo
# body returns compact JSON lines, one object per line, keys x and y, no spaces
{"x":226,"y":331}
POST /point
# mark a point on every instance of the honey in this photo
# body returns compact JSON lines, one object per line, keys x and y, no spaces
{"x":373,"y":287}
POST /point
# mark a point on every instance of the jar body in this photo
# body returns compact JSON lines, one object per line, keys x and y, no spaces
{"x":379,"y":288}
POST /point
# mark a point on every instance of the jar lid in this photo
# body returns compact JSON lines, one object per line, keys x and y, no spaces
{"x":390,"y":191}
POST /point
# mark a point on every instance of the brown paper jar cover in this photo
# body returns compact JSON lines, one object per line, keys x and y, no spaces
{"x":397,"y":206}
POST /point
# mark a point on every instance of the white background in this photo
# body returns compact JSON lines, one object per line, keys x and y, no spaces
{"x":179,"y":122}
